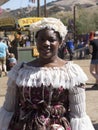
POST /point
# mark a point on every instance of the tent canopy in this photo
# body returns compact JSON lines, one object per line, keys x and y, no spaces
{"x":7,"y":23}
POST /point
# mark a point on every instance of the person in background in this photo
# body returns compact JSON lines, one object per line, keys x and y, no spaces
{"x":27,"y":44}
{"x":70,"y":47}
{"x":47,"y":93}
{"x":15,"y":44}
{"x":3,"y":54}
{"x":81,"y":48}
{"x":93,"y":49}
{"x":21,"y":42}
{"x":91,"y":35}
{"x":12,"y":60}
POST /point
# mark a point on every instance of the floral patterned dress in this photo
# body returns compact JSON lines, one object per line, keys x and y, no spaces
{"x":62,"y":88}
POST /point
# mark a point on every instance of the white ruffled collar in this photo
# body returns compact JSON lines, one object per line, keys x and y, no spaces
{"x":66,"y":76}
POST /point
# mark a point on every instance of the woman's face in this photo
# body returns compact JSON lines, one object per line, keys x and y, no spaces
{"x":48,"y":42}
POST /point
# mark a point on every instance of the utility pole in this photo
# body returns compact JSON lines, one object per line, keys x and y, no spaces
{"x":74,"y":17}
{"x":45,"y":8}
{"x":38,"y":8}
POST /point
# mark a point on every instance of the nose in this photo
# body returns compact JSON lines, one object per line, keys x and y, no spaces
{"x":46,"y":43}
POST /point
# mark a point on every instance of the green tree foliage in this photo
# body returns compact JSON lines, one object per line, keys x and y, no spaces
{"x":85,"y":22}
{"x":86,"y":19}
{"x":96,"y":20}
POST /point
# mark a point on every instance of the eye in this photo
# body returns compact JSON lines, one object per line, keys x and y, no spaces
{"x":52,"y":39}
{"x":40,"y":39}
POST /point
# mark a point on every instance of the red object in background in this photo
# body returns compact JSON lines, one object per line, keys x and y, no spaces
{"x":91,"y":35}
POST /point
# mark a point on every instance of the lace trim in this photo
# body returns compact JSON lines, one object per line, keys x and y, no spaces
{"x":67,"y":76}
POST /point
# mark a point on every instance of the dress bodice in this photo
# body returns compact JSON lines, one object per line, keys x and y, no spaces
{"x":51,"y":96}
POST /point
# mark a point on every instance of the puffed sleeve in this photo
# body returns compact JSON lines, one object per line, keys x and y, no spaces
{"x":78,"y":118}
{"x":7,"y":110}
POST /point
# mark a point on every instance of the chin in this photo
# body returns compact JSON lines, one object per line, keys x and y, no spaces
{"x":45,"y":56}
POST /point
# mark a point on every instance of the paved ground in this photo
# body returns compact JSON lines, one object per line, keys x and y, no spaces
{"x":91,"y":94}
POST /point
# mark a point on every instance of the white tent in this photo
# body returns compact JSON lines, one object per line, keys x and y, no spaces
{"x":3,"y":2}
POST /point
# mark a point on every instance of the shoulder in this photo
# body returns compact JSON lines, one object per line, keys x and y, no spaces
{"x":33,"y":63}
{"x":14,"y":71}
{"x":74,"y":67}
{"x":76,"y":73}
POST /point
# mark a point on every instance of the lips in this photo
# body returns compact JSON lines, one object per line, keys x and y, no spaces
{"x":45,"y":49}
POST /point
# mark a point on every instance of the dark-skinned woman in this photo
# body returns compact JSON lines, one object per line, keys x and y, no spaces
{"x":47,"y":93}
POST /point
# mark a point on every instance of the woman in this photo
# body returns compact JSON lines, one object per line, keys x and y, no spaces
{"x":50,"y":91}
{"x":93,"y":48}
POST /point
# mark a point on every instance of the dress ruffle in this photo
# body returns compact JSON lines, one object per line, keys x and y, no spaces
{"x":67,"y":76}
{"x":83,"y":123}
{"x":79,"y":120}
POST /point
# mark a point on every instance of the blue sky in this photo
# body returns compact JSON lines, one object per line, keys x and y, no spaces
{"x":14,"y":4}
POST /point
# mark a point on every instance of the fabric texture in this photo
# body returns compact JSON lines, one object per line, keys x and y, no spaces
{"x":51,"y":23}
{"x":70,"y":77}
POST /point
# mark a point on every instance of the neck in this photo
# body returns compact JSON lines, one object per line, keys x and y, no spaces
{"x":48,"y":61}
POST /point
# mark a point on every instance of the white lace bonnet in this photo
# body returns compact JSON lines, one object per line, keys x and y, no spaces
{"x":51,"y":23}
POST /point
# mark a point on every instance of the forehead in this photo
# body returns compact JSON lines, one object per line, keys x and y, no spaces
{"x":46,"y":32}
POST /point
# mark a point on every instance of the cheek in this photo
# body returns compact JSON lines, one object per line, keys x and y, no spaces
{"x":55,"y":48}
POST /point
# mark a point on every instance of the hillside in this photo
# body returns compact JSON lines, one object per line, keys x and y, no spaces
{"x":59,"y":8}
{"x":73,"y":2}
{"x":52,"y":8}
